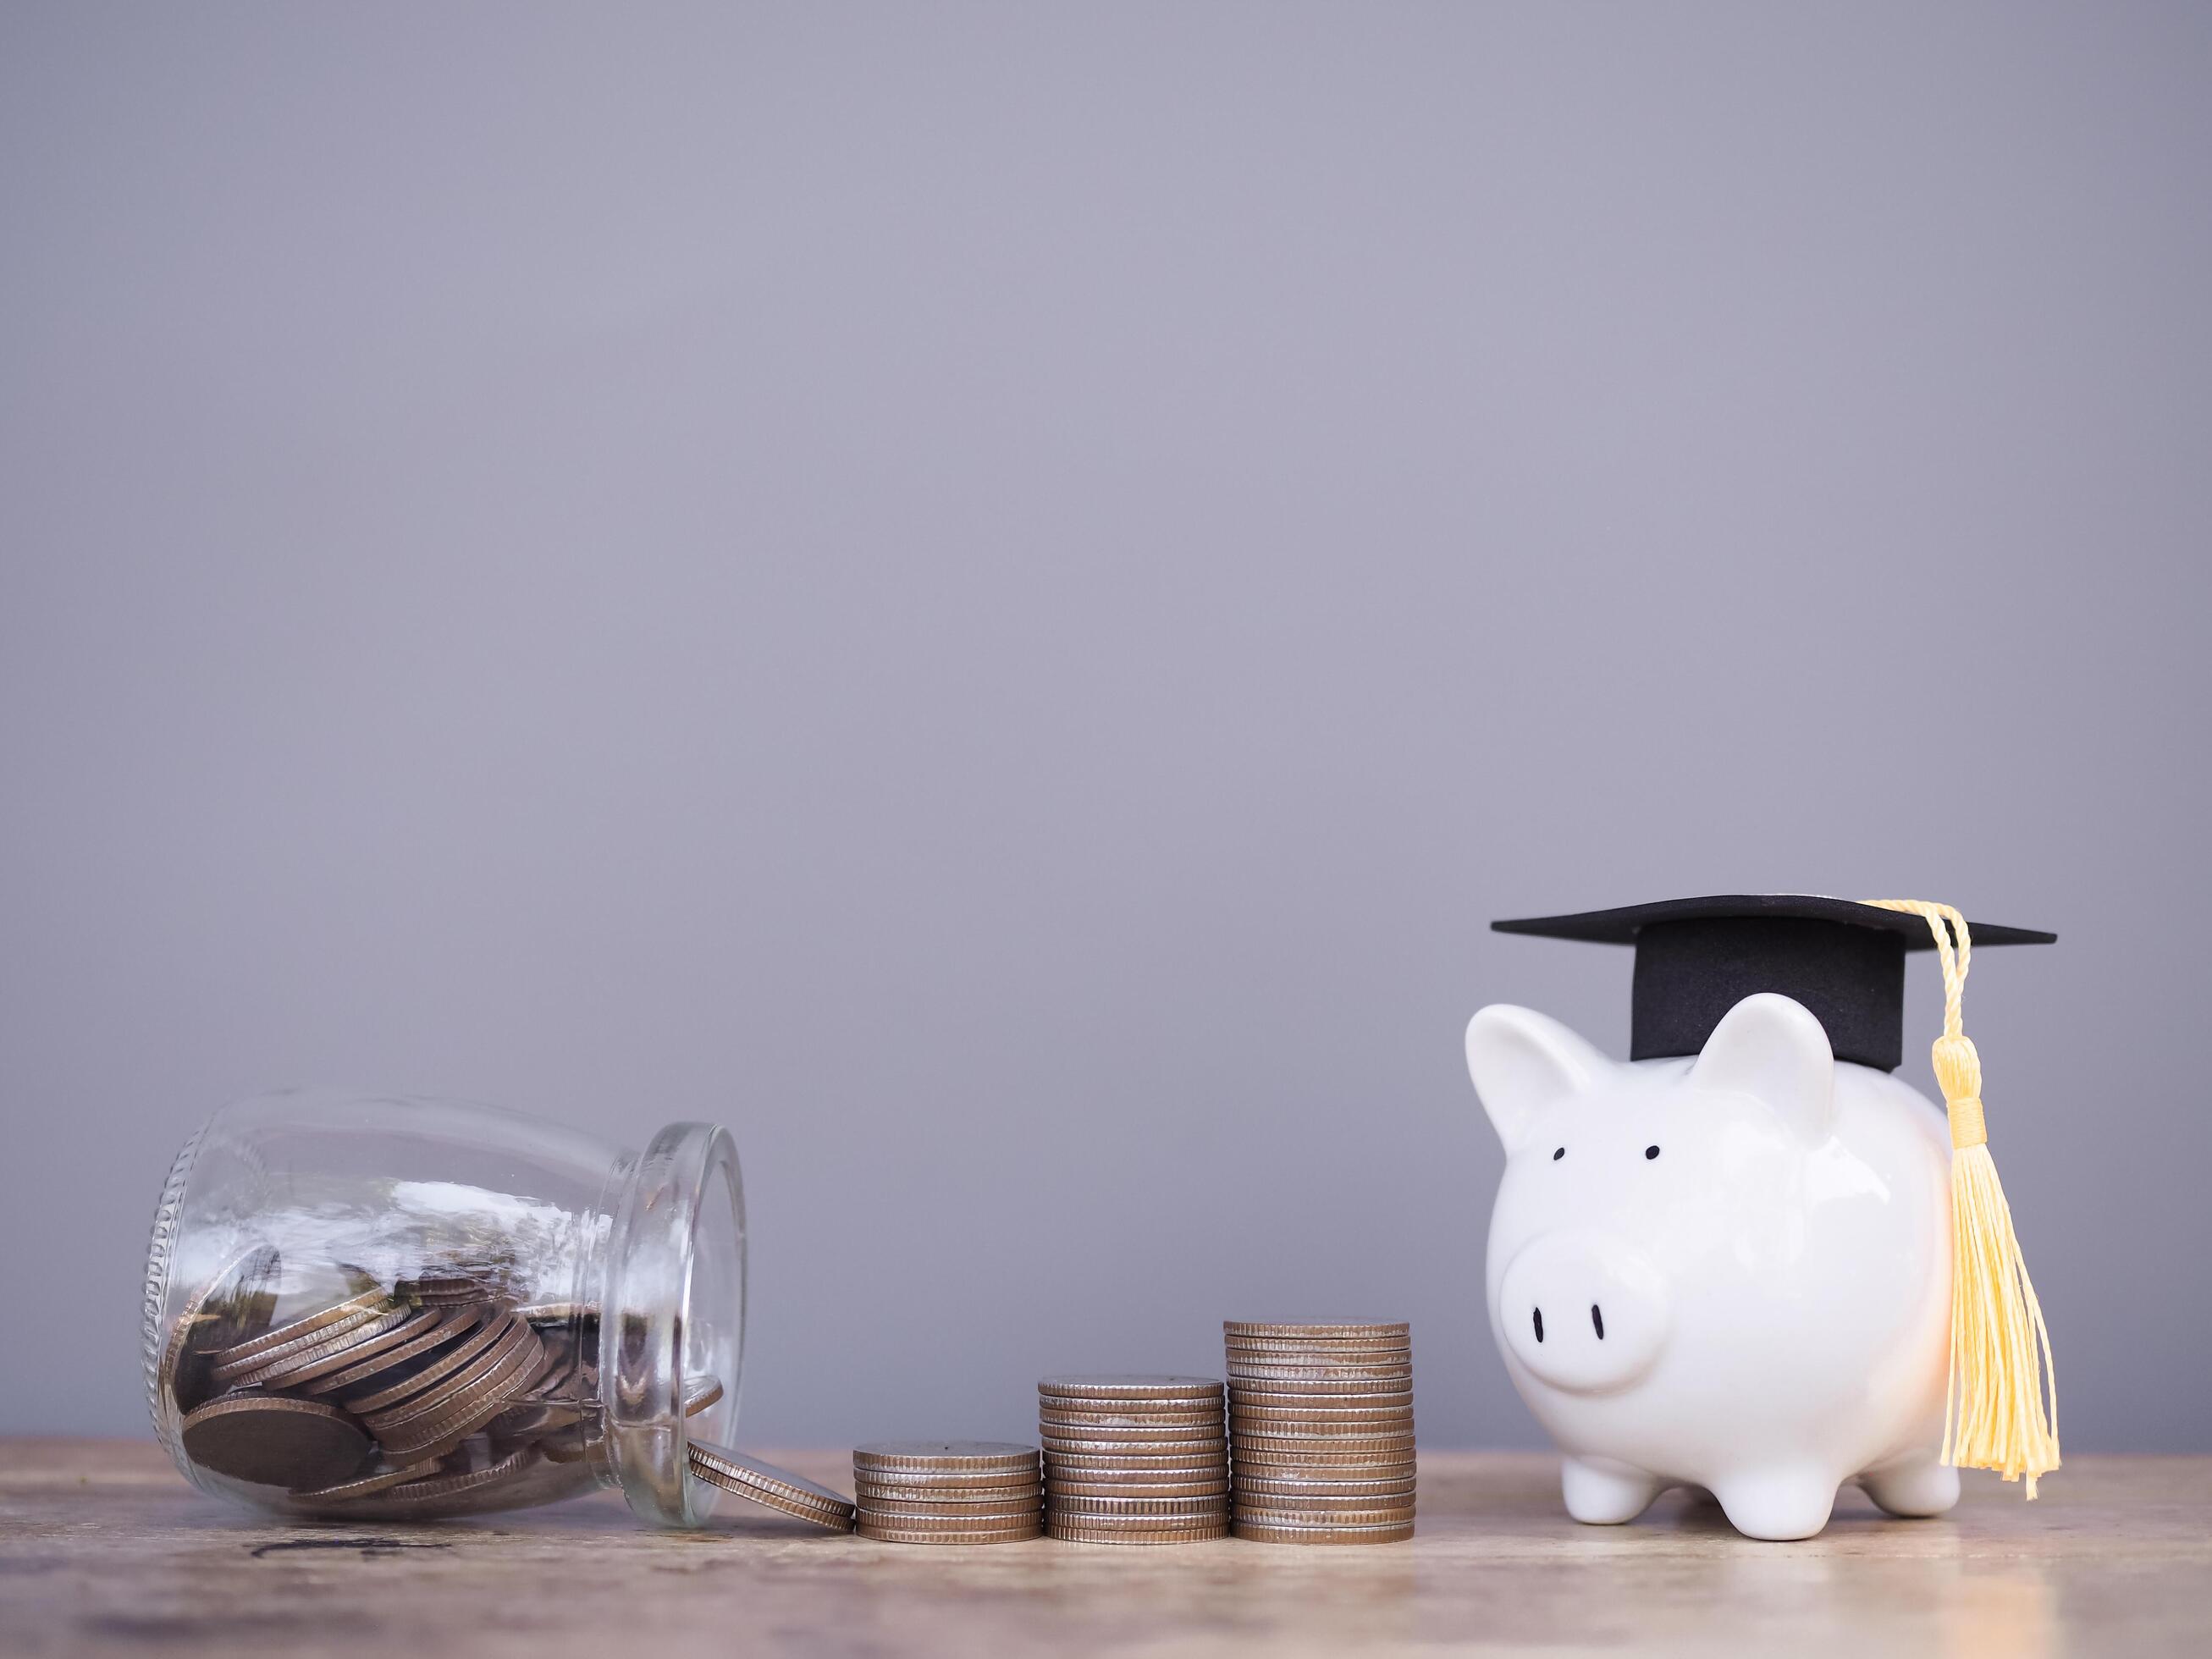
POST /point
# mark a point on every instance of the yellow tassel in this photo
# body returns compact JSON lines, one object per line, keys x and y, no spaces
{"x":1995,"y":1414}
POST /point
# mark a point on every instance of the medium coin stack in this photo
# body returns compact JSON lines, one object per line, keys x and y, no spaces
{"x":1134,"y":1460}
{"x":1320,"y":1419}
{"x":948,"y":1492}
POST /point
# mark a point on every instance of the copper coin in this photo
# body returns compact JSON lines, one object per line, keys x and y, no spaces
{"x":771,"y":1486}
{"x":1057,"y":1463}
{"x":1376,"y":1465}
{"x":440,"y":1487}
{"x":364,"y":1486}
{"x":289,"y":1369}
{"x":986,"y":1476}
{"x":1291,"y":1393}
{"x":1137,"y":1526}
{"x":491,"y":1361}
{"x":1189,"y":1450}
{"x":447,"y":1324}
{"x":474,"y":1409}
{"x":1138,"y":1419}
{"x":1350,"y":1330}
{"x":1317,"y":1423}
{"x":887,"y":1534}
{"x":1370,"y":1445}
{"x":698,"y":1392}
{"x":1257,"y":1486}
{"x":949,"y":1492}
{"x":461,"y":1346}
{"x":965,"y":1510}
{"x":368,"y":1303}
{"x":274,"y":1442}
{"x":1136,"y":1413}
{"x":1071,"y":1504}
{"x":472,"y":1405}
{"x":906,"y":1520}
{"x":531,"y":1419}
{"x":1260,"y":1533}
{"x":949,"y":1454}
{"x":1349,"y":1370}
{"x":453,"y":1286}
{"x":558,"y":1313}
{"x":1068,"y":1532}
{"x":1175,"y":1476}
{"x":1184,"y":1489}
{"x":233,"y":1372}
{"x":1133,"y":1386}
{"x":1335,"y":1512}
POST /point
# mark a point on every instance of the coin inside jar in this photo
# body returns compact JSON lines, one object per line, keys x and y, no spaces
{"x":272,"y":1441}
{"x":234,"y":1308}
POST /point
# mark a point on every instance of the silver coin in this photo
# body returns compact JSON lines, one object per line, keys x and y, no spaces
{"x":1090,"y":1446}
{"x":1206,"y":1506}
{"x":1270,"y":1533}
{"x":886,"y":1534}
{"x":951,"y":1454}
{"x":1350,"y":1330}
{"x":1132,"y":1386}
{"x":765,"y":1484}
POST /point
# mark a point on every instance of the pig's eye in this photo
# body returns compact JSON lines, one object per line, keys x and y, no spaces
{"x":1650,"y":1152}
{"x":1557,"y":1156}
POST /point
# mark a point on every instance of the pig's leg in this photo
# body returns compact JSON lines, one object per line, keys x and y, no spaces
{"x":1605,"y":1494}
{"x":1777,"y":1504}
{"x":1913,"y":1486}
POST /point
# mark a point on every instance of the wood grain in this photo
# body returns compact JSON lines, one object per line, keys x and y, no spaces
{"x":103,"y":1550}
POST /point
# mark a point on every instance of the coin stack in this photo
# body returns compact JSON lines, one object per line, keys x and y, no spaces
{"x":1322,"y":1421}
{"x":948,"y":1492}
{"x":1134,"y":1460}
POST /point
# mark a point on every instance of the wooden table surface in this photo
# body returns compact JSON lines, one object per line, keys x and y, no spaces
{"x":103,"y":1549}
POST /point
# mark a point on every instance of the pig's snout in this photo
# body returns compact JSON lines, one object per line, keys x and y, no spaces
{"x":1583,"y":1312}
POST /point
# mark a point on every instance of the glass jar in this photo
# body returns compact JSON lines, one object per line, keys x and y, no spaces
{"x":362,"y":1307}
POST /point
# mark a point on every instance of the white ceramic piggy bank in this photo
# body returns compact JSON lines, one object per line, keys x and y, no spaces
{"x":1728,"y":1273}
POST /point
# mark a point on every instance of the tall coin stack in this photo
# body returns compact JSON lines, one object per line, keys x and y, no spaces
{"x":1133,"y":1460}
{"x":948,"y":1492}
{"x":1320,"y":1420}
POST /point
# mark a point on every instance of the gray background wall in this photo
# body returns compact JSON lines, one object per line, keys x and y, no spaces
{"x":997,"y":597}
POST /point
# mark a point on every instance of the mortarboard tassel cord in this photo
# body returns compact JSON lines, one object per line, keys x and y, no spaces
{"x":1995,"y":1414}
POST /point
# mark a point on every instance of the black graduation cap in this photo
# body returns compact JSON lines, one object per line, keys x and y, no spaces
{"x":1696,"y":958}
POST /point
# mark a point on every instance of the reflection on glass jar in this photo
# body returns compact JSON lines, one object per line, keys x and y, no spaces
{"x":373,"y":1307}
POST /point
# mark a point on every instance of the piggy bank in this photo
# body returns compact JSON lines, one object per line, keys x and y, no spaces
{"x":1728,"y":1271}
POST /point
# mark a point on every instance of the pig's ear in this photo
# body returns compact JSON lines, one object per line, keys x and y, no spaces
{"x":1522,"y":1062}
{"x":1772,"y":1048}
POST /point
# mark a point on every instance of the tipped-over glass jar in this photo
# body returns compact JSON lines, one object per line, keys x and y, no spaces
{"x":373,"y":1308}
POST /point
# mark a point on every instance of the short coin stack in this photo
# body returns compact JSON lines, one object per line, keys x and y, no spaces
{"x":948,"y":1492}
{"x":1134,"y":1460}
{"x":1321,"y":1423}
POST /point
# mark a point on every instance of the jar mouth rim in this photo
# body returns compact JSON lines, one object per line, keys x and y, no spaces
{"x":160,"y":1253}
{"x":685,"y":1170}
